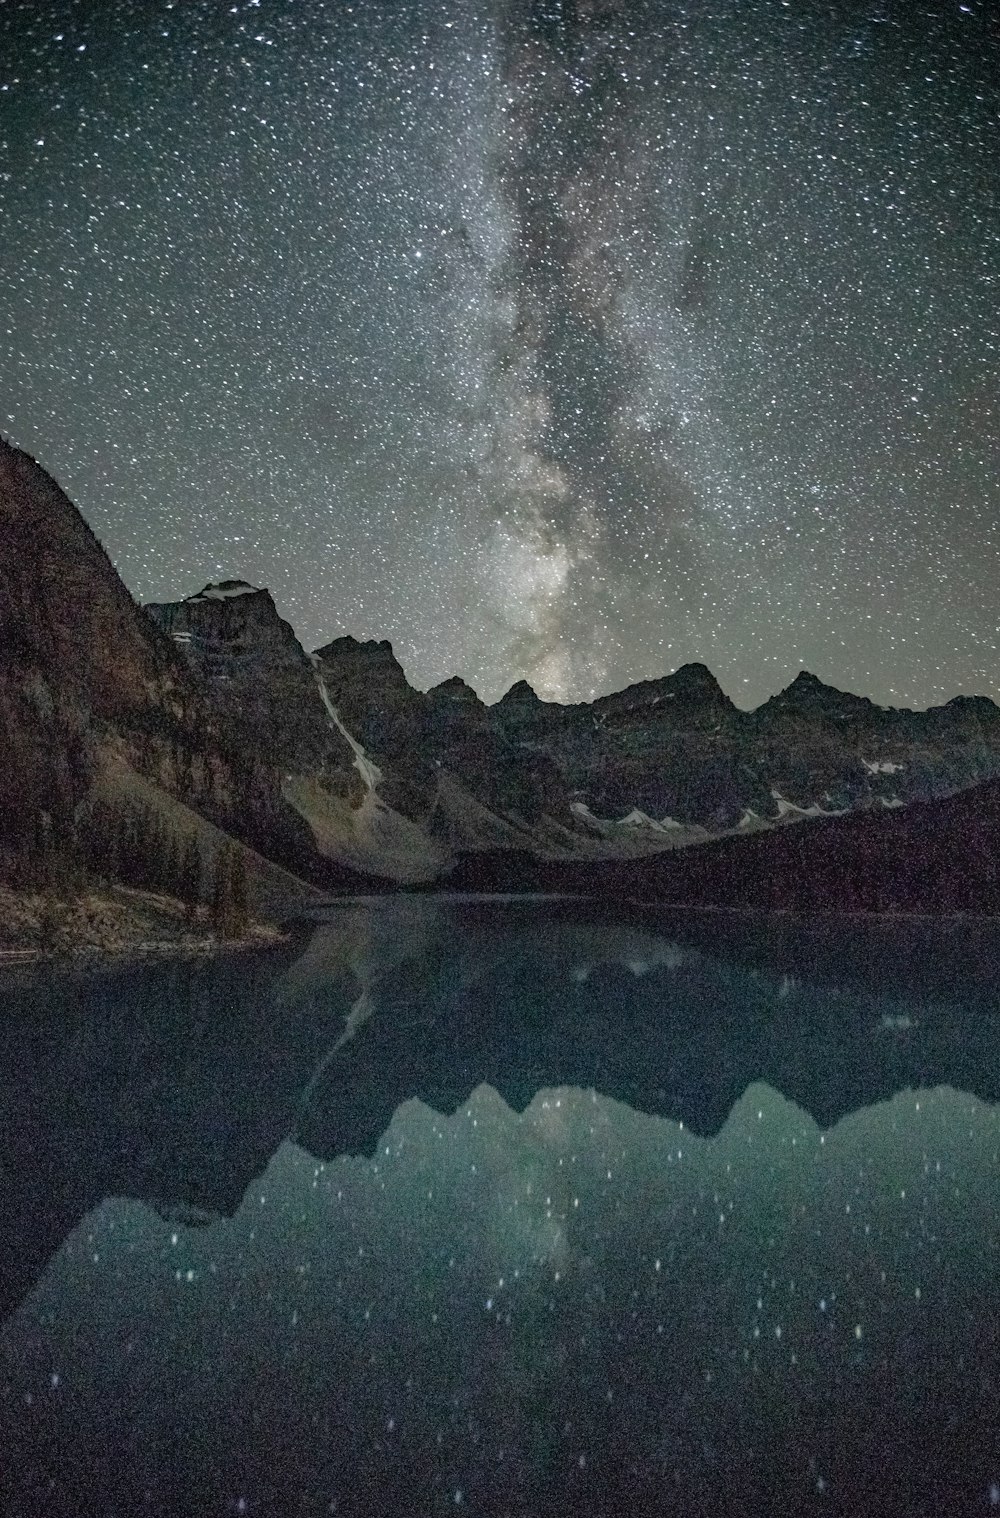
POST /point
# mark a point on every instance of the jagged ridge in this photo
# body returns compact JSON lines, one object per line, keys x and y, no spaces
{"x":334,"y":758}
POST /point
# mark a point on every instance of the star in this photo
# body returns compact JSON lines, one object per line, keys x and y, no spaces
{"x":566,"y":344}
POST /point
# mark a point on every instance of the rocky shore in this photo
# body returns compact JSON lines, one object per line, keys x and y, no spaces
{"x":112,"y":920}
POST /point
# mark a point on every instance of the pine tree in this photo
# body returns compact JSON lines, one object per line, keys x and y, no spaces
{"x":220,"y":908}
{"x":230,"y":905}
{"x":190,"y":875}
{"x":239,"y":894}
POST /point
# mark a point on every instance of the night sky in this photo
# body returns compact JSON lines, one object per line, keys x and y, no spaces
{"x":566,"y":341}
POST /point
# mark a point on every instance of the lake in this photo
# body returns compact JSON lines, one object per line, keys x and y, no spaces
{"x":514,"y":1206}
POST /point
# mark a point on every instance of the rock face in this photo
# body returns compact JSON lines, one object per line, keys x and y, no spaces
{"x":330,"y":760}
{"x":261,"y":682}
{"x":678,"y":749}
{"x":663,"y":763}
{"x":446,"y":762}
{"x":270,"y":694}
{"x":655,"y":750}
{"x":78,"y":661}
{"x":92,"y":692}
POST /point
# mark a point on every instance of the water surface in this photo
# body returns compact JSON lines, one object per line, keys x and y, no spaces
{"x":507,"y":1207}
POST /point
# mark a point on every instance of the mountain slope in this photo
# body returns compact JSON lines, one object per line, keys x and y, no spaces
{"x":933,"y":857}
{"x":663,"y":764}
{"x":88,"y":680}
{"x":334,"y":767}
{"x":259,"y":678}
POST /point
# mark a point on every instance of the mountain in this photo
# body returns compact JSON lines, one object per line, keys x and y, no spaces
{"x":679,"y":751}
{"x":419,"y":778}
{"x":76,"y":657}
{"x":259,"y":679}
{"x":127,"y":731}
{"x":115,"y":757}
{"x":663,"y":763}
{"x":931,"y":857}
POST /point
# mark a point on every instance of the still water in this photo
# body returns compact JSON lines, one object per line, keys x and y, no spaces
{"x":507,"y":1207}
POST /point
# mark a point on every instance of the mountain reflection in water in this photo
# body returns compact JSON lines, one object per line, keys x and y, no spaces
{"x":458,"y":1276}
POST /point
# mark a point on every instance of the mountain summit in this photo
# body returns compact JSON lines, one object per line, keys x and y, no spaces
{"x":106,"y":732}
{"x":330,"y":760}
{"x":657,"y":765}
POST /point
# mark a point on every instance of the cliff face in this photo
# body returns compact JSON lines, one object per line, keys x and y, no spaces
{"x":65,"y":614}
{"x":259,"y":680}
{"x":441,"y":752}
{"x":78,"y":660}
{"x":662,"y":763}
{"x":331,"y":762}
{"x":89,"y":684}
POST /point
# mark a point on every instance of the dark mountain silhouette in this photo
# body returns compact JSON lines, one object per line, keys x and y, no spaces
{"x":206,"y":719}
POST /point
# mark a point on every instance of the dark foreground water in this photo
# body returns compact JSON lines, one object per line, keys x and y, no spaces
{"x":507,"y":1208}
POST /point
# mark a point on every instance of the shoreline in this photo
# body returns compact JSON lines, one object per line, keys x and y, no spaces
{"x":117,"y":924}
{"x":165,"y":948}
{"x":113,"y":923}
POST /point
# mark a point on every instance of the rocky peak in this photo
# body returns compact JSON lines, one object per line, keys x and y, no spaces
{"x":227,"y":590}
{"x":522,"y":713}
{"x":229,"y":631}
{"x":690,"y":695}
{"x":347,"y":660}
{"x":347,"y":647}
{"x":374,"y":699}
{"x":807,"y":695}
{"x":454,"y":689}
{"x":981,"y":706}
{"x":964,"y":716}
{"x":64,"y":612}
{"x":263,"y":682}
{"x":809,"y":687}
{"x":520,"y":694}
{"x":695,"y":682}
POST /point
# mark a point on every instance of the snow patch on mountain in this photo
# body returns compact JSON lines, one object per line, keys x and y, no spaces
{"x":637,"y":819}
{"x":882,"y":766}
{"x":581,"y":809}
{"x":787,"y":810}
{"x":369,"y":772}
{"x":225,"y":591}
{"x":633,"y":819}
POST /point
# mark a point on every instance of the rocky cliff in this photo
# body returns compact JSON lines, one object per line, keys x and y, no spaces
{"x":331,"y":763}
{"x":401,"y":782}
{"x":97,"y":705}
{"x":260,"y":682}
{"x":662,"y":763}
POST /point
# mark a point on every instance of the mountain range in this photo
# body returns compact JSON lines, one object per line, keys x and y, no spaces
{"x":330,"y":772}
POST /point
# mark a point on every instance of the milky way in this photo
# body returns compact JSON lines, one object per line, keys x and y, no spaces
{"x":558,"y":341}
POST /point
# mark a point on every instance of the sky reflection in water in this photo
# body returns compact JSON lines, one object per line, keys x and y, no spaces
{"x":584,"y":1306}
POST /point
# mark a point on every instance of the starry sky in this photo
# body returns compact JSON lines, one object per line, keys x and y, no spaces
{"x":558,"y":339}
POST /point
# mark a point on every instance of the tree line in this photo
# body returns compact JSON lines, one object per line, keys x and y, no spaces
{"x":136,"y":846}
